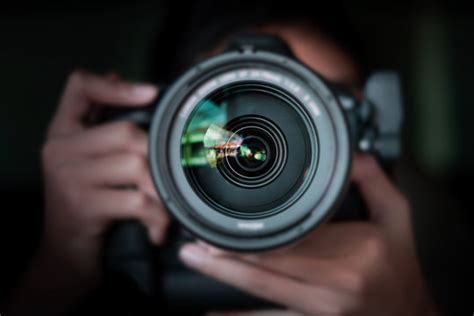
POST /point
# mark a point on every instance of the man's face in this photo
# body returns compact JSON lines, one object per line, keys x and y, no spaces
{"x":313,"y":48}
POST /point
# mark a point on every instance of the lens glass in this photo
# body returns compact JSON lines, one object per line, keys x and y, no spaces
{"x":246,"y":149}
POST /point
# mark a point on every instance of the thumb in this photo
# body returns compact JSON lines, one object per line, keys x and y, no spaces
{"x":386,"y":205}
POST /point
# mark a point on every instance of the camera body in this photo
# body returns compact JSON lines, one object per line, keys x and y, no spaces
{"x":249,"y":150}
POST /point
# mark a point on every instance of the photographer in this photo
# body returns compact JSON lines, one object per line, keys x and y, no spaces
{"x":96,"y":175}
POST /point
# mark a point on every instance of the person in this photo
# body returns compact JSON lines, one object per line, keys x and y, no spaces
{"x":96,"y":175}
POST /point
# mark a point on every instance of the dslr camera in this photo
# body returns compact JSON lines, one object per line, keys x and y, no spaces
{"x":249,"y":150}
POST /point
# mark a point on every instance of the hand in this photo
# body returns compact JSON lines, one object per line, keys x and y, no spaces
{"x":93,"y":176}
{"x":341,"y":269}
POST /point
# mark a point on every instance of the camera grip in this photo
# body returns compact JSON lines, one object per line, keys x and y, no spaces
{"x":130,"y":270}
{"x":128,"y":258}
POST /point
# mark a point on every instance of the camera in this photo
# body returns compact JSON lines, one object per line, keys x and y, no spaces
{"x":251,"y":150}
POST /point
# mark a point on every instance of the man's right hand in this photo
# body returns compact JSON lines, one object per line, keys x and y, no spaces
{"x":93,"y":176}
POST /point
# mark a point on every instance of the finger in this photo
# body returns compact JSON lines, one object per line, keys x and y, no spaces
{"x":128,"y":170}
{"x":290,"y":261}
{"x":109,"y":206}
{"x":318,"y":244}
{"x":85,"y":89}
{"x":323,"y":272}
{"x":257,"y":281}
{"x":105,"y":139}
{"x":214,"y":250}
{"x":386,"y":204}
{"x":269,"y":312}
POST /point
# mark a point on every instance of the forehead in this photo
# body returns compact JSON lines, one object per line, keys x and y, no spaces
{"x":317,"y":51}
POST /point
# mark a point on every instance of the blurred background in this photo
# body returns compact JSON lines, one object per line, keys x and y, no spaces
{"x":430,"y":43}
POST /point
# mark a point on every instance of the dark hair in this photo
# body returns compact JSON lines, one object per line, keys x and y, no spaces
{"x":192,"y":29}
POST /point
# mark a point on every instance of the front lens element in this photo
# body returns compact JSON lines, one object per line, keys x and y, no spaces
{"x":246,"y":149}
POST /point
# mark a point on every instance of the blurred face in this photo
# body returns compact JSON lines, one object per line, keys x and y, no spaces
{"x":317,"y":51}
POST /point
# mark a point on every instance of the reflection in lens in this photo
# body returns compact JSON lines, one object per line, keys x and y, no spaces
{"x":203,"y":135}
{"x":220,"y":143}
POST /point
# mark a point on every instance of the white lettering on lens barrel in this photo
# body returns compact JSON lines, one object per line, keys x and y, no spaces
{"x":250,"y":225}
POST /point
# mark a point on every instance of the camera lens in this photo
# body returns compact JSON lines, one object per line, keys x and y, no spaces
{"x":249,"y":150}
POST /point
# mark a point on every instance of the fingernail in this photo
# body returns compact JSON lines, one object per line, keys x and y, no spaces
{"x":145,"y":91}
{"x":193,"y":255}
{"x":211,"y":249}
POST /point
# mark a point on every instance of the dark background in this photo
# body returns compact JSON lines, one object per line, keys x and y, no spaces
{"x":430,"y":43}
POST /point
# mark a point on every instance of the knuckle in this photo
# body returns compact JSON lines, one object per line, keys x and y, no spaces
{"x":165,"y":219}
{"x":48,"y":153}
{"x":138,"y":164}
{"x":357,"y":282}
{"x":334,"y":309}
{"x":375,"y":245}
{"x":131,"y":136}
{"x":66,"y":178}
{"x":309,"y":306}
{"x":127,"y":131}
{"x":404,"y":204}
{"x":77,"y":77}
{"x":160,"y":214}
{"x":74,"y":195}
{"x":138,"y":201}
{"x":65,"y":174}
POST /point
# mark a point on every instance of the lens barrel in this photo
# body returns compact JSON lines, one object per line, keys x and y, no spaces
{"x":250,"y":150}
